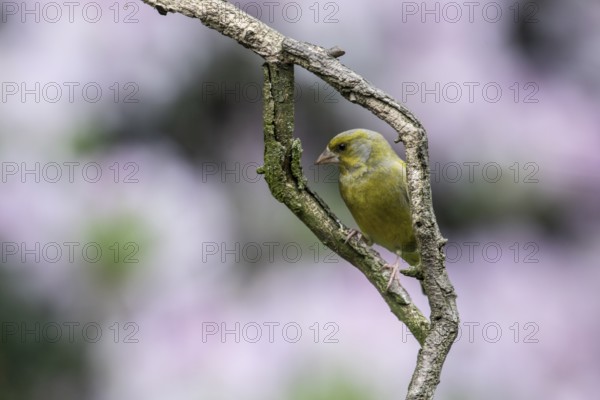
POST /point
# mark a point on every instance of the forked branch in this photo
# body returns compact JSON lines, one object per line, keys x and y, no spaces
{"x":284,"y":174}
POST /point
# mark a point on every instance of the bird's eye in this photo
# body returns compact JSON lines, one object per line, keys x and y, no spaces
{"x":341,"y":146}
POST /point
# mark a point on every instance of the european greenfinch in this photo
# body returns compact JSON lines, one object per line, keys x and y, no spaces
{"x":373,"y":185}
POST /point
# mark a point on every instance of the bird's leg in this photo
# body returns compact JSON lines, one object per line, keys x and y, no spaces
{"x":353,"y":232}
{"x":394,"y":267}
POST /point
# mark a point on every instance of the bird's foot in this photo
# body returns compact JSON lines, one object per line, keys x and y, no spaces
{"x":394,"y":267}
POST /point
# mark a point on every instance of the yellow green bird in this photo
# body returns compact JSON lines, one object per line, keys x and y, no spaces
{"x":373,"y":185}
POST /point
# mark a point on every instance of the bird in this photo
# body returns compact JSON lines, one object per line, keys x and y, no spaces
{"x":373,"y":185}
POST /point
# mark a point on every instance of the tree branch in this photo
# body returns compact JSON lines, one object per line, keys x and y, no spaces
{"x":284,"y":175}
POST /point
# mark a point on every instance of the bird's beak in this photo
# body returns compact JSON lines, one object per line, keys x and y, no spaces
{"x":327,"y":157}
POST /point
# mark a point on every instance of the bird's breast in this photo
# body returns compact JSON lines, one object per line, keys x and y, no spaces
{"x":379,"y":205}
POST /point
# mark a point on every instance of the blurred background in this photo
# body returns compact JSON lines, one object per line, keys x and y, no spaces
{"x":143,"y":257}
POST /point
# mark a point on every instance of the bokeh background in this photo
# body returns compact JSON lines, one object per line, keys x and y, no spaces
{"x":143,"y":257}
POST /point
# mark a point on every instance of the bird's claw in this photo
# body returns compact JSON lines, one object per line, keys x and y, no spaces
{"x":394,"y":267}
{"x":413,"y":271}
{"x":393,"y":274}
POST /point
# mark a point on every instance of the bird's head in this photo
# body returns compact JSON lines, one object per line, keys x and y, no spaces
{"x":356,"y":148}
